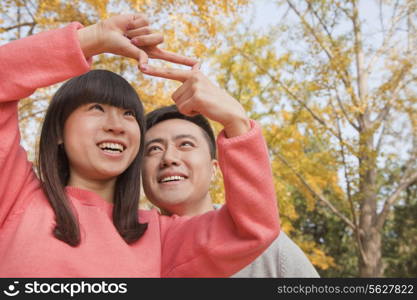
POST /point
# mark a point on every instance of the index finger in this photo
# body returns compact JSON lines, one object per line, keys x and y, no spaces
{"x":168,"y":73}
{"x":172,"y":57}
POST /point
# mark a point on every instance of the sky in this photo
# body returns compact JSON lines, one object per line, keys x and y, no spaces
{"x":267,"y":14}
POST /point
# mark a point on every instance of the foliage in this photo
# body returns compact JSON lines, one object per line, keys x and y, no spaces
{"x":400,"y":237}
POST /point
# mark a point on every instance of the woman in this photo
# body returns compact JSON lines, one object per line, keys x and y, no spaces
{"x":105,"y":158}
{"x":80,"y":219}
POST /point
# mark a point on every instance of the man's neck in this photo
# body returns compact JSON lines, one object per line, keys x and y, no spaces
{"x":186,"y":209}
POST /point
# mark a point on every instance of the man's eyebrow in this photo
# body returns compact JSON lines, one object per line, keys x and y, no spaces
{"x":185,"y":136}
{"x":156,"y":140}
{"x":177,"y":137}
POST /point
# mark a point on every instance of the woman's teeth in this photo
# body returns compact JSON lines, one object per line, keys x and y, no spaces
{"x":111,"y":147}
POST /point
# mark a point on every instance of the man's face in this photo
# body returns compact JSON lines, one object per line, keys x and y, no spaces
{"x":177,"y":168}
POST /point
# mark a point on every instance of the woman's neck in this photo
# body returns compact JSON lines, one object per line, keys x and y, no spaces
{"x":103,"y":188}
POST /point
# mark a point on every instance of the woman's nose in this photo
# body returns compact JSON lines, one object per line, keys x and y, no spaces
{"x":114,"y":122}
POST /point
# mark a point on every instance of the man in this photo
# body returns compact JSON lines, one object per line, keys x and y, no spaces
{"x":180,"y":163}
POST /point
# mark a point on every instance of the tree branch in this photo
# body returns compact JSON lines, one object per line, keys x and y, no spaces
{"x":342,"y":152}
{"x":287,"y":90}
{"x":379,"y":143}
{"x":356,"y":229}
{"x":405,"y":182}
{"x":316,"y":194}
{"x":387,"y":37}
{"x":344,"y":77}
{"x":18,"y":26}
{"x":398,"y":85}
{"x":361,"y":73}
{"x":342,"y":107}
{"x":323,"y":25}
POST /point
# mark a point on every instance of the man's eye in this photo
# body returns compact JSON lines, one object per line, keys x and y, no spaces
{"x":187,"y":144}
{"x":96,"y":106}
{"x":154,"y":149}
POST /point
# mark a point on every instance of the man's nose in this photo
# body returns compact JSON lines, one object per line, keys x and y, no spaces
{"x":170,"y":157}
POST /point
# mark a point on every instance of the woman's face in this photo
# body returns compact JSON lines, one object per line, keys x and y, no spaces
{"x":101,"y":141}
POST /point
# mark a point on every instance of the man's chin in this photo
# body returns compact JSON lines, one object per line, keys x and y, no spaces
{"x":172,"y":199}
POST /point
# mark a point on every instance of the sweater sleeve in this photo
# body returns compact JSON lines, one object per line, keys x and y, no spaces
{"x":219,"y":243}
{"x":25,"y":65}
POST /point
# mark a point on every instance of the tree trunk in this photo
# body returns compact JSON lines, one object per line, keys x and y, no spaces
{"x":370,"y":263}
{"x":372,"y":267}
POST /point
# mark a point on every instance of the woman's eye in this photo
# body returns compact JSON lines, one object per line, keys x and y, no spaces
{"x":129,"y":113}
{"x":96,"y":106}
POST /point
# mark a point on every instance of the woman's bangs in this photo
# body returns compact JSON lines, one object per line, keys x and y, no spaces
{"x":104,"y":87}
{"x":120,"y":94}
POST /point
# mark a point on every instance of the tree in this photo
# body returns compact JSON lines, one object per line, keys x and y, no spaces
{"x":287,"y":141}
{"x":370,"y":99}
{"x":353,"y":88}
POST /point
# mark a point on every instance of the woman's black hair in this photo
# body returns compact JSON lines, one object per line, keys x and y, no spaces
{"x":97,"y":86}
{"x":171,"y":112}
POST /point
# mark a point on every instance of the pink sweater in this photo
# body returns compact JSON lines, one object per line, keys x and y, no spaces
{"x":218,"y":243}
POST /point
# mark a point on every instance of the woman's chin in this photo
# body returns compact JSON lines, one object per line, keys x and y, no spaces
{"x":108,"y":175}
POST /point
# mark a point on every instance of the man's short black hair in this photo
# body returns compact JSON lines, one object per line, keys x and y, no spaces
{"x":171,"y":112}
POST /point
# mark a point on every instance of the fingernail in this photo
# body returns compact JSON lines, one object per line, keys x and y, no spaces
{"x":144,"y":67}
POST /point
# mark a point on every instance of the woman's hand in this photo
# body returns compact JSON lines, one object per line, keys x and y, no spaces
{"x":129,"y":36}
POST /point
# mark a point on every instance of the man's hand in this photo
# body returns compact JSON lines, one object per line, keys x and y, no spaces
{"x":198,"y":95}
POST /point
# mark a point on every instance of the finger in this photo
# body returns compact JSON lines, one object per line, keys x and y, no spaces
{"x":138,"y":20}
{"x":196,"y":67}
{"x":172,"y":57}
{"x":142,"y":57}
{"x":139,"y":31}
{"x":135,"y":53}
{"x":186,"y":94}
{"x":127,"y":49}
{"x":187,"y":108}
{"x":168,"y":73}
{"x":181,"y":90}
{"x":152,"y":39}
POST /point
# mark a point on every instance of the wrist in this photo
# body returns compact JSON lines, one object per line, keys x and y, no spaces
{"x":237,"y":126}
{"x":89,"y":40}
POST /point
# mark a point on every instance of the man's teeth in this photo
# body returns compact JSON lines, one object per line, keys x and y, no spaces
{"x":111,"y":147}
{"x":172,"y":178}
